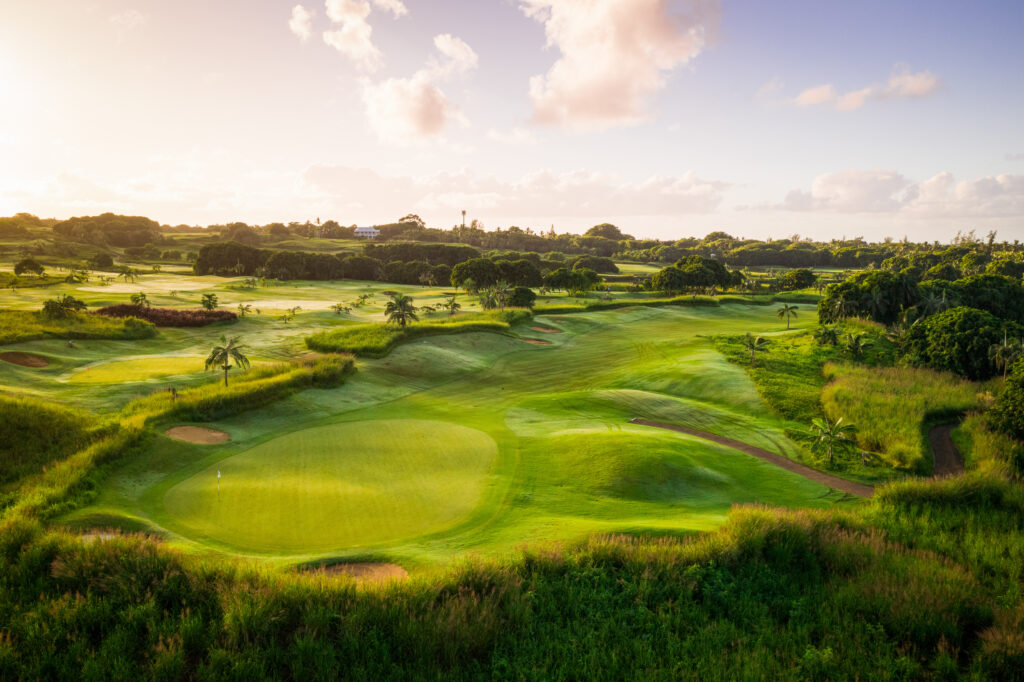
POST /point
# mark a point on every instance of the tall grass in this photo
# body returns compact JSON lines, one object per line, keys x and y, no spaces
{"x":893,"y":406}
{"x":921,"y":583}
{"x":18,"y":325}
{"x":378,"y":339}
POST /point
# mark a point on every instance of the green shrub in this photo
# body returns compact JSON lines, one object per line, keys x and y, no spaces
{"x":1007,"y":414}
{"x":958,"y":341}
{"x":17,"y":326}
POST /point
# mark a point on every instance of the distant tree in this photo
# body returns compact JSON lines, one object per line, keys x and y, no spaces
{"x":451,"y":305}
{"x":522,"y":297}
{"x":1004,"y":354}
{"x":290,"y":314}
{"x":221,"y":356}
{"x":400,"y":310}
{"x":788,"y":312}
{"x":340,"y":308}
{"x":244,"y":309}
{"x":129,"y":274}
{"x":209,"y":301}
{"x":29,"y":265}
{"x":832,"y":437}
{"x":413,"y":218}
{"x":502,"y":291}
{"x":140,"y":298}
{"x":608,"y":231}
{"x":754,"y":345}
{"x":62,"y":306}
{"x":957,"y":340}
{"x":101,"y":261}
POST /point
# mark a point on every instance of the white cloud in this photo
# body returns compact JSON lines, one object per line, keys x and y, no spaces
{"x":902,"y":83}
{"x":614,"y":56}
{"x":396,"y":7}
{"x":301,"y":23}
{"x":515,"y":137}
{"x":543,"y":194}
{"x":887,"y":191}
{"x":354,"y":38}
{"x":128,"y":19}
{"x":403,"y":110}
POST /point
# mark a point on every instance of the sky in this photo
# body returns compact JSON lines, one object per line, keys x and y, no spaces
{"x":669,"y":118}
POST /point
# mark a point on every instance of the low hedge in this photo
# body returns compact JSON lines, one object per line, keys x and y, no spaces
{"x":169,"y":317}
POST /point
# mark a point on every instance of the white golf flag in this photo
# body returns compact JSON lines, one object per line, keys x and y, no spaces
{"x":218,"y":473}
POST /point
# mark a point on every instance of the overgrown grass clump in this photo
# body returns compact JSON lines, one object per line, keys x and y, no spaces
{"x":921,"y":583}
{"x":377,"y":340}
{"x":17,"y":326}
{"x":893,"y":407}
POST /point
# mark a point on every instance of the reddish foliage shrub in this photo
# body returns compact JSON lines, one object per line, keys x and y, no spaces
{"x":169,"y":317}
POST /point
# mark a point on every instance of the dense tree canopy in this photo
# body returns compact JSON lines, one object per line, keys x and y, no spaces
{"x":957,"y":340}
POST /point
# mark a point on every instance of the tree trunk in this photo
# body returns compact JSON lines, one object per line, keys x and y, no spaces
{"x":226,"y":376}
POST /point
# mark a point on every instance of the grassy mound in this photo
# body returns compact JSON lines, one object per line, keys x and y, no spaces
{"x":18,"y":325}
{"x":377,"y":340}
{"x":337,"y":486}
{"x":34,"y":433}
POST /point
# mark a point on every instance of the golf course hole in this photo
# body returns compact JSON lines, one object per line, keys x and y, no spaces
{"x":366,"y":571}
{"x":197,"y":434}
{"x":547,"y":330}
{"x":352,"y":484}
{"x":537,"y":342}
{"x":24,"y":359}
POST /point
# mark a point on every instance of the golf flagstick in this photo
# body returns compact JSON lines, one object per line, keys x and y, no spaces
{"x":218,"y":484}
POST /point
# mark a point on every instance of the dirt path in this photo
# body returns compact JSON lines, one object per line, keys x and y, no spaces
{"x":834,"y":482}
{"x":948,"y":461}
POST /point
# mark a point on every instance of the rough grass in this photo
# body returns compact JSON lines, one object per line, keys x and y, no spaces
{"x":34,"y":433}
{"x":922,"y":583}
{"x":893,"y":406}
{"x":18,"y":325}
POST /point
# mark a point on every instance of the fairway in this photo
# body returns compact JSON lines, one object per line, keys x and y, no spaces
{"x":344,"y":485}
{"x":138,"y":369}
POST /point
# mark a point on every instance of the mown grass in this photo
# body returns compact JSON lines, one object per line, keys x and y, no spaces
{"x":378,"y":339}
{"x":892,"y":407}
{"x":19,"y":325}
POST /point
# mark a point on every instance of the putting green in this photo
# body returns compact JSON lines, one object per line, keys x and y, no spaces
{"x":338,"y":486}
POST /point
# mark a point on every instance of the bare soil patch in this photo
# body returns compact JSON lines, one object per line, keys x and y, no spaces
{"x":367,"y":571}
{"x":547,"y":330}
{"x":834,"y":482}
{"x":24,"y":359}
{"x":198,"y":434}
{"x":946,"y":458}
{"x":536,"y":342}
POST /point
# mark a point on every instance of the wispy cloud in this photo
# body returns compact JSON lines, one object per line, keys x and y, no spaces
{"x":353,"y":36}
{"x":902,"y":84}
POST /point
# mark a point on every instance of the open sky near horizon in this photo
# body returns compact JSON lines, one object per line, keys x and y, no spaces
{"x":824,"y":118}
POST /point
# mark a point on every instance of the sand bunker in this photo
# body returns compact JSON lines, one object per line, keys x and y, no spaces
{"x":536,"y":342}
{"x":24,"y":359}
{"x":547,"y":330}
{"x":367,"y":571}
{"x":198,"y":434}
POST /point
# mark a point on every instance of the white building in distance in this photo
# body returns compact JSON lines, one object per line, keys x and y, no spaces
{"x":367,"y":232}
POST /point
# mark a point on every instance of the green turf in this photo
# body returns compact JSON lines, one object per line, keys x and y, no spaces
{"x":343,"y":485}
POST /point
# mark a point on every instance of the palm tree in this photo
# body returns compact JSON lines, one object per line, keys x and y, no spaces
{"x":754,"y":345}
{"x":1004,"y":354}
{"x":428,"y":279}
{"x":129,"y":274}
{"x":340,"y":308}
{"x":401,"y":310}
{"x":502,"y":290}
{"x":827,"y":335}
{"x":222,"y":355}
{"x":290,"y":314}
{"x":140,"y":299}
{"x":857,"y":344}
{"x":209,"y":301}
{"x":832,"y":437}
{"x":451,"y":305}
{"x":787,"y":311}
{"x":878,"y":304}
{"x":244,"y":309}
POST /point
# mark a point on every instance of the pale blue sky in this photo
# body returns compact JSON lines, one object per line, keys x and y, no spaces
{"x":203,"y":112}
